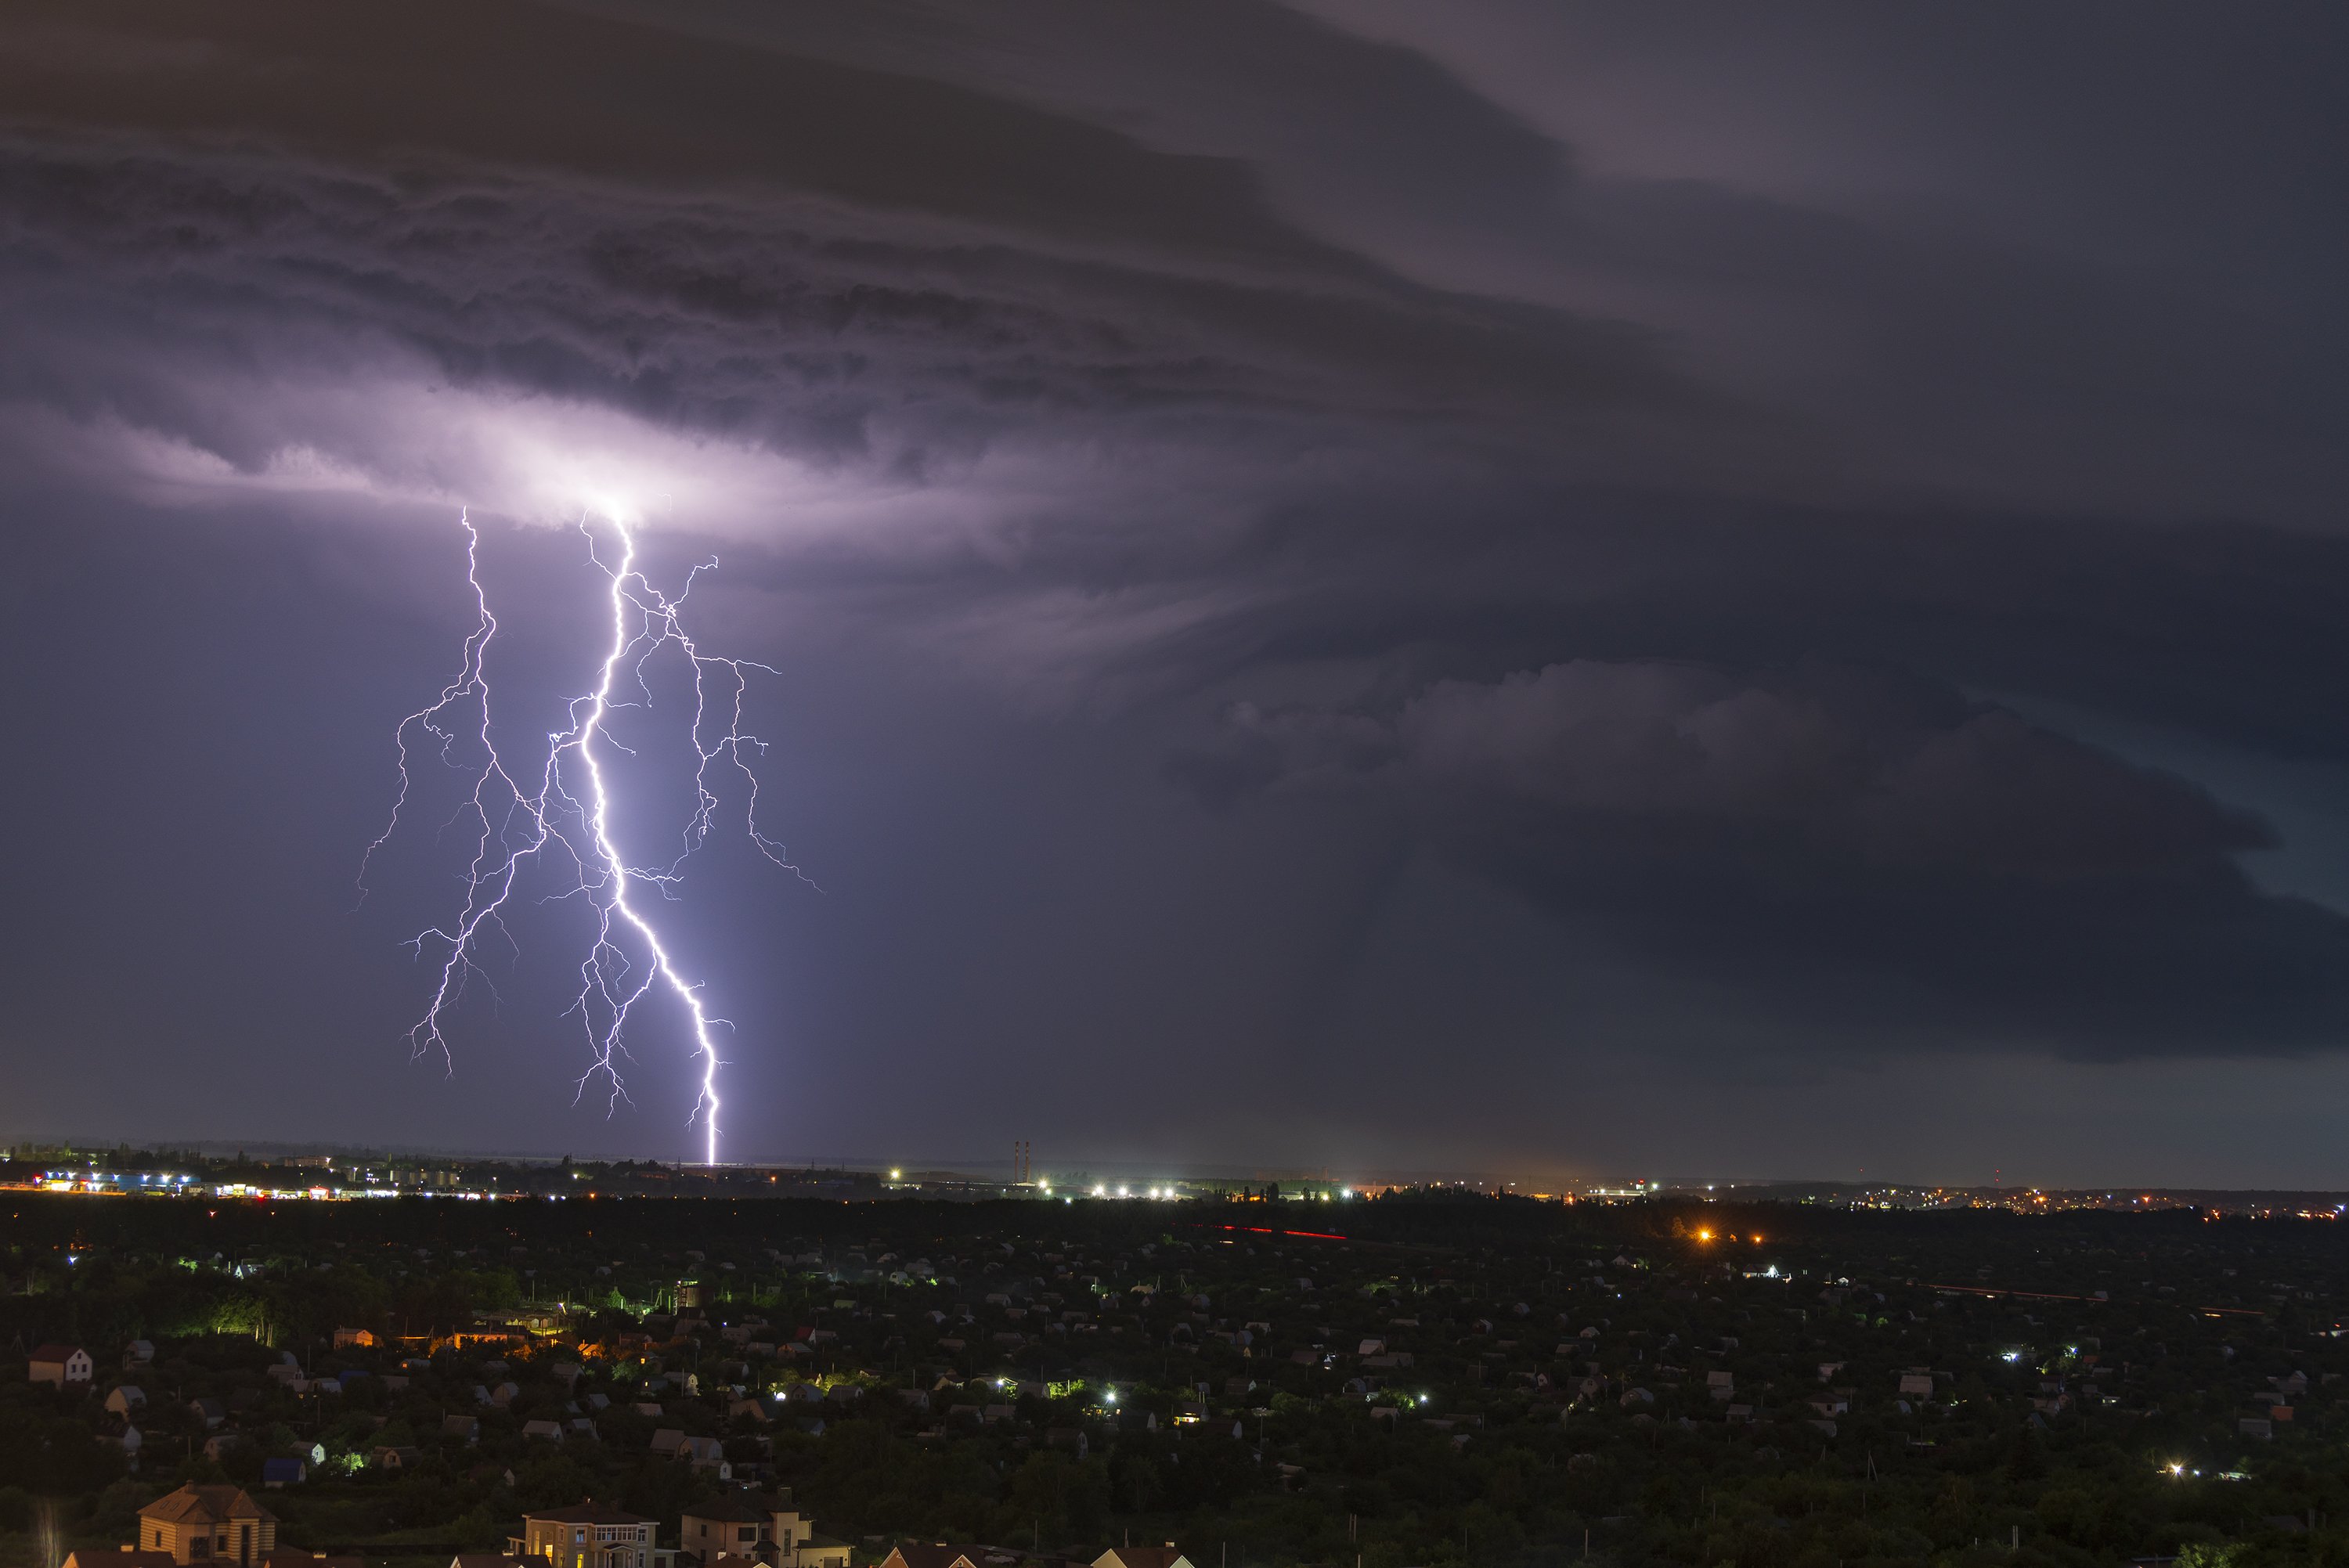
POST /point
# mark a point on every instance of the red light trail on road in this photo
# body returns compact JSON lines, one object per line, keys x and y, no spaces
{"x":1268,"y":1231}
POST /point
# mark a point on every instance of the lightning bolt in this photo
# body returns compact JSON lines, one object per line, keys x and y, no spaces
{"x":562,"y":815}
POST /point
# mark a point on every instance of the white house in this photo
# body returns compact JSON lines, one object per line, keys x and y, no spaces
{"x":60,"y":1365}
{"x":705,"y":1453}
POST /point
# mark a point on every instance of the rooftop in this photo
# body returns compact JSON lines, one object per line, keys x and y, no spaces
{"x":585,"y":1513}
{"x":205,"y":1505}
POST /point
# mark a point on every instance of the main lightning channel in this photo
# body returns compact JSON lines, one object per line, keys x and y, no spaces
{"x":512,"y":824}
{"x":600,"y":822}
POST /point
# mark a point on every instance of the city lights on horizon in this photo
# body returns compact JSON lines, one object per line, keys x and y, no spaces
{"x":61,"y":1169}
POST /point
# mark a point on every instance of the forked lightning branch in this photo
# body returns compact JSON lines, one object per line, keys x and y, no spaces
{"x":556,"y":809}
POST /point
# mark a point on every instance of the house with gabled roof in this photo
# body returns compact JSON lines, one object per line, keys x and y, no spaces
{"x":930,"y":1554}
{"x":124,"y":1435}
{"x":1164,"y":1556}
{"x":207,"y":1524}
{"x":60,"y":1365}
{"x":126,"y":1558}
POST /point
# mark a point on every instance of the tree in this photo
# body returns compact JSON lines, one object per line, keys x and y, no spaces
{"x":1138,"y":1482}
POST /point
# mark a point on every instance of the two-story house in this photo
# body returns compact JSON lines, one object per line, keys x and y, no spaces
{"x":590,"y":1535}
{"x":761,"y":1526}
{"x":733,"y":1526}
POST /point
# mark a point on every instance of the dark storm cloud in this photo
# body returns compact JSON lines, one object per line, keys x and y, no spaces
{"x":998,"y":262}
{"x":1531,"y":438}
{"x":144,"y":283}
{"x":1820,"y":836}
{"x":1821,"y":764}
{"x":1944,"y":252}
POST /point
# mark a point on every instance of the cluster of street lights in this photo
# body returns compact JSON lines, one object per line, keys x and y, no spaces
{"x":1164,"y":1192}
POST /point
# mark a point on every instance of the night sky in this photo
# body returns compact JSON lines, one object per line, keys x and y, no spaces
{"x":1615,"y":589}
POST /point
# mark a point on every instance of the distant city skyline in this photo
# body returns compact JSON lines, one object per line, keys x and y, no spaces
{"x":1082,"y":1177}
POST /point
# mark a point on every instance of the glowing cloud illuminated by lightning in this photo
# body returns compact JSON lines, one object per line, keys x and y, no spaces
{"x":560,"y":809}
